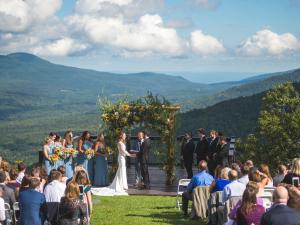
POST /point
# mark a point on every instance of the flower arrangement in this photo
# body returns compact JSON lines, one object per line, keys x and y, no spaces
{"x":59,"y":152}
{"x":89,"y":153}
{"x":71,"y":152}
{"x":54,"y":158}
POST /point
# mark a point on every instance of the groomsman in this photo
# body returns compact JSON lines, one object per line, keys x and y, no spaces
{"x":137,"y":164}
{"x":202,"y":146}
{"x":144,"y":156}
{"x":187,"y":153}
{"x":212,"y":164}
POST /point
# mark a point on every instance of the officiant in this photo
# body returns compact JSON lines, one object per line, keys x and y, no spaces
{"x":136,"y":149}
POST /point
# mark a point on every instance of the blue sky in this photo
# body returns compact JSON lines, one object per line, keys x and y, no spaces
{"x":175,"y":36}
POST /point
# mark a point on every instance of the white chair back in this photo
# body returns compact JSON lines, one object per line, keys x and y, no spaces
{"x":267,"y":200}
{"x":182,"y":185}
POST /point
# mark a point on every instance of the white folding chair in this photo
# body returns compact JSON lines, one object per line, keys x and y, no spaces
{"x":269,"y":190}
{"x":16,"y":210}
{"x":8,"y":213}
{"x":267,"y":200}
{"x":182,"y":185}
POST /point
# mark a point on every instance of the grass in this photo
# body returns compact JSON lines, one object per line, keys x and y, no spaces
{"x":137,"y":210}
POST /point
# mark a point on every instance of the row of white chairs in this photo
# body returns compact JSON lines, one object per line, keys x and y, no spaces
{"x":12,"y":214}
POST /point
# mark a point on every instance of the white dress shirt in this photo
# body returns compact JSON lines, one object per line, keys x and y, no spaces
{"x":244,"y":179}
{"x":233,"y":189}
{"x":54,"y":191}
{"x":2,"y":210}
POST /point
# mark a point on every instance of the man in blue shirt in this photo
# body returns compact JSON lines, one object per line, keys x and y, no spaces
{"x":203,"y":178}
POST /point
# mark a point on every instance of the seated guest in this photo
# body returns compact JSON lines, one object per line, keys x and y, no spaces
{"x":219,"y":183}
{"x":9,"y":194}
{"x":5,"y":166}
{"x":249,"y":212}
{"x":245,"y":175}
{"x":21,"y":172}
{"x":62,"y":170}
{"x":280,"y":213}
{"x":264,"y":168}
{"x":249,"y":163}
{"x":294,"y":172}
{"x":294,"y":198}
{"x":32,"y":204}
{"x":201,"y":179}
{"x":2,"y":207}
{"x":25,"y":183}
{"x":236,"y":167}
{"x":36,"y":172}
{"x":282,"y":171}
{"x":233,"y":189}
{"x":55,"y":189}
{"x":72,"y":210}
{"x":260,"y":178}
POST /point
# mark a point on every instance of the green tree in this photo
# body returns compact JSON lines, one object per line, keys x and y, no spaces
{"x":279,"y":125}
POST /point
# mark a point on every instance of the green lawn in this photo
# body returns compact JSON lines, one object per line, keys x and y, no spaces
{"x":137,"y":210}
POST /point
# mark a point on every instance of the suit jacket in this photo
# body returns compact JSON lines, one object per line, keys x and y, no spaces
{"x":280,"y":215}
{"x":9,"y":195}
{"x":187,"y":151}
{"x":32,"y":207}
{"x":213,"y":148}
{"x":202,"y":149}
{"x":145,"y":150}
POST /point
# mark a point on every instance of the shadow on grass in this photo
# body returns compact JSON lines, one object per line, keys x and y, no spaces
{"x":169,"y":217}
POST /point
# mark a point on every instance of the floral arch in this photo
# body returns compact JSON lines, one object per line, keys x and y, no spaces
{"x":151,"y":112}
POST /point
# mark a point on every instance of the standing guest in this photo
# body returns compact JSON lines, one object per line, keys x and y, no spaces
{"x":36,"y":172}
{"x":280,"y":213}
{"x":249,"y":213}
{"x":81,"y":178}
{"x":48,"y":152}
{"x":222,"y":154}
{"x":62,"y":170}
{"x":260,"y":178}
{"x":58,"y":145}
{"x":137,"y":164}
{"x":294,"y":172}
{"x":249,"y":163}
{"x":5,"y":166}
{"x":219,"y":183}
{"x":144,"y":157}
{"x":84,"y":143}
{"x":68,"y":144}
{"x":13,"y":174}
{"x":101,"y":169}
{"x":187,"y":154}
{"x":2,"y":207}
{"x":202,"y":146}
{"x":234,"y":189}
{"x":212,"y":151}
{"x":55,"y":189}
{"x":245,"y":175}
{"x":9,"y":195}
{"x":21,"y":172}
{"x":282,"y":171}
{"x":201,"y":179}
{"x":72,"y":210}
{"x":264,"y":168}
{"x":32,"y":204}
{"x":25,"y":183}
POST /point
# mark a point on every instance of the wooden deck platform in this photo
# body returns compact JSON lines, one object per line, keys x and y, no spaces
{"x":157,"y":182}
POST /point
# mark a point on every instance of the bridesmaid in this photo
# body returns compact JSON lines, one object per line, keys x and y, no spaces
{"x":52,"y":136}
{"x":68,"y":143}
{"x":100,"y":174}
{"x":58,"y":144}
{"x":47,"y":152}
{"x":84,"y":144}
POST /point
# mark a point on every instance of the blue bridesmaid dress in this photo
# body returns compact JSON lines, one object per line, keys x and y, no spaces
{"x":60,"y":161}
{"x":69,"y":164}
{"x":101,"y":170}
{"x":48,"y":164}
{"x":82,"y":160}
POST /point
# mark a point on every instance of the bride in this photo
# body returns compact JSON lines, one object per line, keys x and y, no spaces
{"x":119,"y":185}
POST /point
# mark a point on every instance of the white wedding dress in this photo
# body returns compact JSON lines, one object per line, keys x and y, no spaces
{"x":119,"y":185}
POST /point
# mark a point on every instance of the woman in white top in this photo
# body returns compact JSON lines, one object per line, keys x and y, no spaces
{"x":119,"y":185}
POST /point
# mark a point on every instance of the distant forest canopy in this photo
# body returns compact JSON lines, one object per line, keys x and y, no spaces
{"x":37,"y":97}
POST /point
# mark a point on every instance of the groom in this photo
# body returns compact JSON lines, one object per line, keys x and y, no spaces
{"x":144,"y":159}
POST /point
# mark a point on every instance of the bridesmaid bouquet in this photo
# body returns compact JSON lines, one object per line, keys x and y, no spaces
{"x":54,"y":158}
{"x":108,"y":150}
{"x":73,"y":152}
{"x":89,"y":153}
{"x":59,"y":152}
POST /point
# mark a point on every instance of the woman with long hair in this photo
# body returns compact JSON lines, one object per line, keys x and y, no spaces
{"x":264,"y":168}
{"x":250,"y":212}
{"x":119,"y":185}
{"x":48,"y":152}
{"x":294,"y":173}
{"x":58,"y":145}
{"x":72,"y":210}
{"x":84,"y":143}
{"x":68,"y":144}
{"x":101,"y":170}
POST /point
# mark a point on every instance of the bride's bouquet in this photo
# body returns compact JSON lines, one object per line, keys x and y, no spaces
{"x":89,"y":153}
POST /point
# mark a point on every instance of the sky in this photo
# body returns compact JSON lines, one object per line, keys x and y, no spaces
{"x":188,"y":37}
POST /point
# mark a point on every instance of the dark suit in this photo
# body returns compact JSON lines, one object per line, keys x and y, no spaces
{"x":212,"y":164}
{"x":280,"y":215}
{"x":32,"y":207}
{"x":222,"y":155}
{"x":187,"y":152}
{"x":144,"y":159}
{"x":202,"y":149}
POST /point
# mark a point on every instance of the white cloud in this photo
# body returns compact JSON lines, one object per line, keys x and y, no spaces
{"x":205,"y":45}
{"x":268,"y":42}
{"x":178,"y":24}
{"x":18,"y":15}
{"x":61,"y":47}
{"x":148,"y":34}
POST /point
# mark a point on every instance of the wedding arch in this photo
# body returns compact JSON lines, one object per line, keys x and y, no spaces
{"x":152,"y":113}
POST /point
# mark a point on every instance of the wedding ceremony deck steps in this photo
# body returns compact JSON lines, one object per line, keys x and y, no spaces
{"x":158,"y":185}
